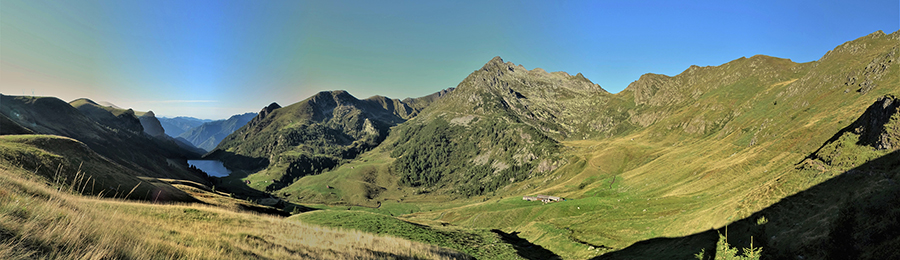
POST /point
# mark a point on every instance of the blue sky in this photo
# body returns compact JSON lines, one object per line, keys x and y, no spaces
{"x":212,"y":59}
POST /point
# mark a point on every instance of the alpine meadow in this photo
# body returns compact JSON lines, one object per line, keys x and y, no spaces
{"x":759,"y":157}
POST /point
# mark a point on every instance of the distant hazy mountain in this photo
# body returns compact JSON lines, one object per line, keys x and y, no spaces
{"x":178,"y":125}
{"x":207,"y":135}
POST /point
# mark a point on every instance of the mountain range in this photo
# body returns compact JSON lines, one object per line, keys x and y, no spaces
{"x":113,"y":141}
{"x":177,"y":125}
{"x":505,"y":131}
{"x":207,"y":135}
{"x":798,"y":159}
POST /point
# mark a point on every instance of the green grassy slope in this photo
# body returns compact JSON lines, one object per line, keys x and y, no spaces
{"x":39,"y":222}
{"x":480,"y":243}
{"x":682,"y":154}
{"x":281,"y":145}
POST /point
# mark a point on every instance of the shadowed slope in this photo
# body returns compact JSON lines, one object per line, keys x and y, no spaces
{"x":855,"y":215}
{"x":128,"y":146}
{"x":710,"y":145}
{"x":71,"y":165}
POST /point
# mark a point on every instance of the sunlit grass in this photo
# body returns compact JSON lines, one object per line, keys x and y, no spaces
{"x":39,"y":223}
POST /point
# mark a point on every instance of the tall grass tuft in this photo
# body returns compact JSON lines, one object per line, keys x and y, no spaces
{"x":37,"y":222}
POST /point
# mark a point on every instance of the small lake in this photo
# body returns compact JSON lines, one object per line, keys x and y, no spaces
{"x":212,"y":167}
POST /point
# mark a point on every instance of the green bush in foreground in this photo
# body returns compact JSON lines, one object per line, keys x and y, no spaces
{"x":724,"y":251}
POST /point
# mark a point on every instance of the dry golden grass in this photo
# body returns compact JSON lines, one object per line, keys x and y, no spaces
{"x":37,"y":222}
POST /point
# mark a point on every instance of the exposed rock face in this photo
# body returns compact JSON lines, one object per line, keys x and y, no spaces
{"x":555,"y":103}
{"x":878,"y":129}
{"x":646,"y":88}
{"x":879,"y":126}
{"x":151,"y":124}
{"x":256,"y":121}
{"x":268,"y":109}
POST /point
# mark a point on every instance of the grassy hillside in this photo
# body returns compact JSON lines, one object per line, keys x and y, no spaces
{"x":679,"y":155}
{"x":281,"y":145}
{"x":480,"y":243}
{"x":113,"y":117}
{"x":37,"y":222}
{"x":799,"y":158}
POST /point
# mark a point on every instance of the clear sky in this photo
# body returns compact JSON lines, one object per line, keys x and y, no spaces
{"x":212,"y":59}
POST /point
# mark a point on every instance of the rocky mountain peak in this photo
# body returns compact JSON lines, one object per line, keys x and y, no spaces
{"x":256,"y":122}
{"x":151,"y":125}
{"x":646,"y":87}
{"x":494,"y":62}
{"x":497,"y":67}
{"x":266,"y":111}
{"x":271,"y":107}
{"x":332,"y":98}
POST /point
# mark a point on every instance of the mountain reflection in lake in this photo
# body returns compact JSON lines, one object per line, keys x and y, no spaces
{"x":212,"y":167}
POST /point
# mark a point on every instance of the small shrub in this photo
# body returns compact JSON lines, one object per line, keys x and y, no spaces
{"x":724,"y":251}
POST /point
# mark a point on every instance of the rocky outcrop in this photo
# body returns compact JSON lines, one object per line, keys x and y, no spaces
{"x":875,"y":132}
{"x":151,"y":124}
{"x":879,"y":126}
{"x":864,"y":80}
{"x":260,"y":117}
{"x":553,"y":102}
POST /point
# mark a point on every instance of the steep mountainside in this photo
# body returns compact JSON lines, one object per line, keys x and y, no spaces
{"x":669,"y":156}
{"x":177,"y":125}
{"x":116,"y":135}
{"x":151,"y":124}
{"x":112,"y":117}
{"x":312,"y":135}
{"x":209,"y":134}
{"x":500,"y":125}
{"x":852,"y":214}
{"x":133,"y":121}
{"x":67,"y":162}
{"x":722,"y":142}
{"x":801,"y":159}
